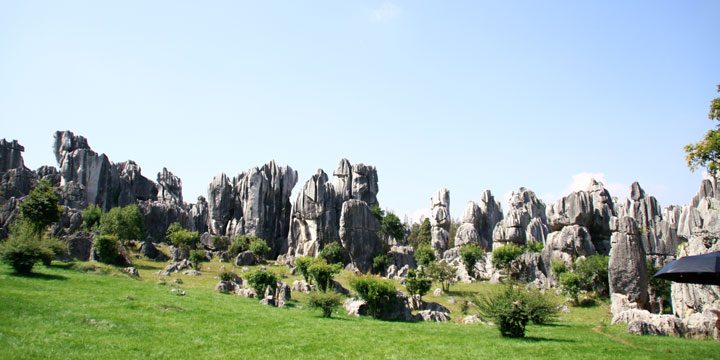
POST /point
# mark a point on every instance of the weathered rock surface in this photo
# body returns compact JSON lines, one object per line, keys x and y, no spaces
{"x":524,"y":207}
{"x":245,"y":258}
{"x":627,"y":269}
{"x":359,"y":233}
{"x":314,"y":218}
{"x":436,"y":316}
{"x":478,"y":222}
{"x":80,"y":245}
{"x":569,"y":243}
{"x":440,"y":205}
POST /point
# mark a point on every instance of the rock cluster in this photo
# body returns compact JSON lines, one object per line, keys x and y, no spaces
{"x":525,"y":220}
{"x":478,"y":222}
{"x":440,"y":205}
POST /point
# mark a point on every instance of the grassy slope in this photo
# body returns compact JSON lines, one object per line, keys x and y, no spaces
{"x":49,"y":316}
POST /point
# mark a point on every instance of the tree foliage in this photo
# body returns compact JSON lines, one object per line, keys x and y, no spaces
{"x":184,"y":239}
{"x":377,"y":293}
{"x":259,"y":280}
{"x":420,"y":233}
{"x":24,"y":247}
{"x":443,"y":273}
{"x":593,"y":274}
{"x":91,"y":217}
{"x":303,"y":264}
{"x":325,"y":301}
{"x":332,"y":253}
{"x":124,"y":222}
{"x":502,"y":257}
{"x":514,"y":306}
{"x":706,"y":152}
{"x":259,"y":247}
{"x":470,"y":255}
{"x":417,"y":283}
{"x":424,"y":255}
{"x":41,"y":207}
{"x":390,"y":224}
{"x":323,"y":273}
{"x":380,"y":262}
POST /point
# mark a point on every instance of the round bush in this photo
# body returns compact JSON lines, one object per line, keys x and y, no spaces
{"x":332,"y":253}
{"x":424,"y":255}
{"x":259,"y":280}
{"x":259,"y":247}
{"x":23,"y":248}
{"x":377,"y":293}
{"x":325,"y":301}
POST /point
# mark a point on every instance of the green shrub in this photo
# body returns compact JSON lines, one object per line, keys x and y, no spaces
{"x":55,"y":248}
{"x":325,"y":301}
{"x":259,"y":280}
{"x":470,"y":255}
{"x":220,"y":243}
{"x":227,"y":275}
{"x":126,"y":223}
{"x":443,"y":273}
{"x":91,"y":217}
{"x":323,"y":273}
{"x":303,"y":263}
{"x":660,"y":288}
{"x":502,"y":257}
{"x":184,"y":239}
{"x":259,"y":247}
{"x":535,"y":247}
{"x":570,"y":282}
{"x":377,"y":293}
{"x":196,"y":258}
{"x":424,"y":255}
{"x":332,"y":253}
{"x":41,"y":207}
{"x":380,"y":262}
{"x":514,"y":306}
{"x":542,"y":308}
{"x":417,"y":283}
{"x":108,"y":248}
{"x":593,"y":274}
{"x":23,"y":248}
{"x":240,"y":243}
{"x":558,"y":267}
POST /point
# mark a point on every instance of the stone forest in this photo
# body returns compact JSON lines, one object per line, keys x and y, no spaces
{"x":635,"y":233}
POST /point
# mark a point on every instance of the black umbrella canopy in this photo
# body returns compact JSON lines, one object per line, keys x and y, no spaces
{"x":698,"y":269}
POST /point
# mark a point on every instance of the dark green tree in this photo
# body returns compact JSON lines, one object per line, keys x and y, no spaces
{"x":125,"y":222}
{"x":706,"y":153}
{"x":470,"y":255}
{"x":91,"y":217}
{"x":41,"y":207}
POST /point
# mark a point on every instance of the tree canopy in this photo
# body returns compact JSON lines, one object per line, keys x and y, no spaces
{"x":41,"y":207}
{"x":706,"y":152}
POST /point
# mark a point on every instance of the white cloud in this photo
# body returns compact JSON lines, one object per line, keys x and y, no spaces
{"x":419,"y":215}
{"x":386,"y":12}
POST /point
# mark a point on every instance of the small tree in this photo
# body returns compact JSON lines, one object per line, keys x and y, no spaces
{"x":570,"y":282}
{"x":184,"y":239}
{"x":325,"y":301}
{"x":303,"y":263}
{"x":332,"y":253}
{"x":420,"y":233}
{"x":23,"y":248}
{"x":228,"y":275}
{"x":174,"y":227}
{"x":108,"y":248}
{"x":323,"y":273}
{"x":470,"y":255}
{"x":502,"y":257}
{"x":259,"y":247}
{"x":377,"y":293}
{"x":259,"y":280}
{"x":706,"y":153}
{"x":91,"y":217}
{"x":221,"y":243}
{"x":126,"y":223}
{"x":41,"y":207}
{"x":593,"y":274}
{"x":417,"y":283}
{"x":238,"y":244}
{"x":424,"y":255}
{"x":443,"y":273}
{"x":380,"y":262}
{"x":558,"y":267}
{"x":196,"y":258}
{"x":513,"y":307}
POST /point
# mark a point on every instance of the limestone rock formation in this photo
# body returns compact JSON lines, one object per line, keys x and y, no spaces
{"x":169,"y":187}
{"x":627,"y":269}
{"x":478,"y":222}
{"x":357,"y":181}
{"x":11,"y":155}
{"x":570,"y":243}
{"x":440,"y":205}
{"x":255,"y":202}
{"x":314,"y":217}
{"x":359,"y":233}
{"x":524,"y":207}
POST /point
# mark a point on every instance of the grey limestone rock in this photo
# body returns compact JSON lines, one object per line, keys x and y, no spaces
{"x":80,"y":245}
{"x":11,"y":155}
{"x":435,"y":316}
{"x":440,"y":233}
{"x":359,"y":233}
{"x":627,"y":269}
{"x":314,"y":218}
{"x":169,"y":187}
{"x":573,"y":240}
{"x":245,"y":258}
{"x":402,"y":256}
{"x":524,"y":207}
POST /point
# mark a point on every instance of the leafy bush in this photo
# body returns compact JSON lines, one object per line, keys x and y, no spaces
{"x":380,"y":262}
{"x":41,"y":207}
{"x":513,"y":307}
{"x":417,"y":283}
{"x":55,"y":247}
{"x":593,"y":274}
{"x":196,"y":258}
{"x":323,"y":273}
{"x":377,"y":293}
{"x":303,"y":263}
{"x":535,"y":247}
{"x":570,"y":282}
{"x":443,"y":273}
{"x":424,"y":255}
{"x":420,"y":233}
{"x":227,"y":275}
{"x":240,"y":243}
{"x":325,"y":301}
{"x":332,"y":253}
{"x":174,"y":227}
{"x":108,"y":248}
{"x":221,"y":243}
{"x":126,"y":223}
{"x":23,"y":248}
{"x":259,"y":247}
{"x":184,"y":239}
{"x":91,"y":217}
{"x":558,"y":267}
{"x":470,"y":255}
{"x":503,"y":256}
{"x":392,"y":227}
{"x":660,"y":288}
{"x":259,"y":280}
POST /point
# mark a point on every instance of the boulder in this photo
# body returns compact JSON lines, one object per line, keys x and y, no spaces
{"x":149,"y":250}
{"x":178,"y":266}
{"x":573,"y":240}
{"x":663,"y":325}
{"x":303,"y":286}
{"x":80,"y":245}
{"x":245,"y":258}
{"x":131,"y":271}
{"x":359,"y":233}
{"x":226,"y":286}
{"x":192,"y":273}
{"x":436,"y":316}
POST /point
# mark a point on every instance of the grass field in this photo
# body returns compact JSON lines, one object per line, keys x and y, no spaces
{"x":64,"y":312}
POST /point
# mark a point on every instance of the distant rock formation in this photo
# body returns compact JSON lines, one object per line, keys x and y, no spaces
{"x":478,"y":222}
{"x":314,"y":219}
{"x":440,"y":233}
{"x":515,"y":228}
{"x":627,"y":271}
{"x":359,"y":233}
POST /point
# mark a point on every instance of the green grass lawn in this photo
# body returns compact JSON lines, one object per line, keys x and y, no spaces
{"x":64,"y":313}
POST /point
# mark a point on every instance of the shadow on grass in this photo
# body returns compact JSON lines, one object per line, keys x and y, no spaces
{"x":147,"y":267}
{"x":543,"y":339}
{"x":34,"y":275}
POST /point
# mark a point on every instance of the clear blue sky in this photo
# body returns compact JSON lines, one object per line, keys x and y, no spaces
{"x":465,"y":95}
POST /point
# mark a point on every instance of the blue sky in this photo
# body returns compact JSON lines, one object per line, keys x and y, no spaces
{"x":465,"y":95}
